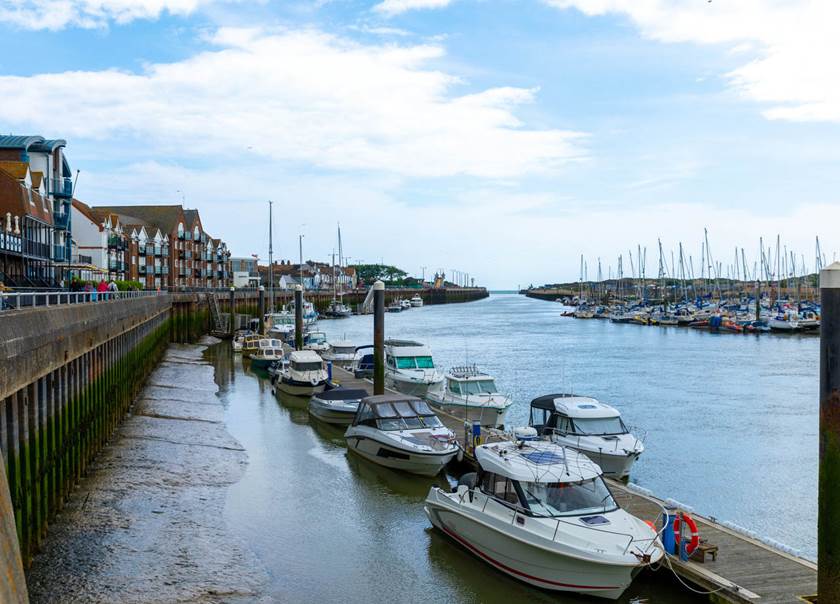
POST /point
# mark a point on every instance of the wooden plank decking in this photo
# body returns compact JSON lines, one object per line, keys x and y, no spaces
{"x":746,"y":570}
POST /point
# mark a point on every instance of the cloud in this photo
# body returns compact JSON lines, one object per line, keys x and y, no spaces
{"x":298,"y":96}
{"x":58,"y":14}
{"x":396,"y":7}
{"x":794,"y":45}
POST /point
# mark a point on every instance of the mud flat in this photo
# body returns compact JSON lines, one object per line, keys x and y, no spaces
{"x":147,"y":523}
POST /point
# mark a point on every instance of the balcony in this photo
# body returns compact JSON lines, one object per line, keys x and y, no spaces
{"x":62,"y":187}
{"x":116,"y":265}
{"x":142,"y":250}
{"x":116,"y":242}
{"x":61,"y":220}
{"x":188,"y":255}
{"x":182,"y":272}
{"x":158,"y":271}
{"x":82,"y":259}
{"x":10,"y":242}
{"x":59,"y":253}
{"x":141,"y":269}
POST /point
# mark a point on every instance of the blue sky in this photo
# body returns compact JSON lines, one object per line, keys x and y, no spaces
{"x":500,"y":138}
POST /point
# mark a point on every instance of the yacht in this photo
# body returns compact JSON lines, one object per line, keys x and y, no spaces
{"x":468,"y":393}
{"x":269,"y":351}
{"x":338,"y":310}
{"x":416,"y":301}
{"x":337,"y":406}
{"x":317,"y":341}
{"x":409,"y":367}
{"x":303,"y":375}
{"x":402,"y":433}
{"x":340,"y":353}
{"x":586,"y":425}
{"x":543,"y":514}
{"x":406,"y":304}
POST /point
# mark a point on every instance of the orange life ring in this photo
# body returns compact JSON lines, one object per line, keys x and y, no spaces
{"x":695,"y":535}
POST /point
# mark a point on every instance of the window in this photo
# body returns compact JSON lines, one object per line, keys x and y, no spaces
{"x":538,"y":417}
{"x":479,"y":387}
{"x":568,"y":498}
{"x":388,"y":359}
{"x":306,"y":366}
{"x":454,"y":387}
{"x":425,"y":363}
{"x":500,"y":487}
{"x":599,"y":425}
{"x":406,"y":363}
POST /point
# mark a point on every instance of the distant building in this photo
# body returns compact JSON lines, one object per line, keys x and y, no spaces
{"x":245,"y":272}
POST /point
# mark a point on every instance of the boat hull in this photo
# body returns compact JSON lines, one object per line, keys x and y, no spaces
{"x":330,"y":415}
{"x":424,"y":464}
{"x":485,"y":416}
{"x":414,"y":388}
{"x":615,"y":465}
{"x":298,"y":388}
{"x":537,"y":566}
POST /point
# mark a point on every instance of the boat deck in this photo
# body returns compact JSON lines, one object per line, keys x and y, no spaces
{"x":746,"y":570}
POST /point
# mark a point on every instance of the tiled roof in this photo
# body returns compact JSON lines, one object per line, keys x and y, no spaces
{"x":15,"y":199}
{"x":166,"y":218}
{"x":88,"y":212}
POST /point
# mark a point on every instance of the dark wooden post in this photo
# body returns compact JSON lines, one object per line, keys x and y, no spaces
{"x":298,"y":317}
{"x":828,"y":524}
{"x":261,"y":308}
{"x":379,"y":338}
{"x":232,"y":301}
{"x":13,"y":585}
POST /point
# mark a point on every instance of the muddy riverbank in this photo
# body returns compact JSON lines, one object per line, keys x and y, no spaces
{"x":147,"y":523}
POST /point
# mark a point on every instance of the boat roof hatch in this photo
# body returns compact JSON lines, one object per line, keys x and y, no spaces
{"x":407,"y":348}
{"x":536,"y":461}
{"x":572,"y":405}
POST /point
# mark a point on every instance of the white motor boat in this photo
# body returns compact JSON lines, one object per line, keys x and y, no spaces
{"x":416,"y":301}
{"x":362,"y":366}
{"x":239,"y":339}
{"x":340,"y":353}
{"x":395,"y":306}
{"x":409,"y":367}
{"x":269,"y":351}
{"x":310,"y":315}
{"x":543,"y":514}
{"x":403,"y":433}
{"x":787,"y":322}
{"x":303,"y":375}
{"x":280,"y":325}
{"x":586,"y":425}
{"x":406,"y":304}
{"x":338,"y":310}
{"x":468,"y":393}
{"x":317,"y":341}
{"x":337,"y":406}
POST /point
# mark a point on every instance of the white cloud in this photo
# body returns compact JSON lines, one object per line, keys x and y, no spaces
{"x":794,"y":44}
{"x":58,"y":14}
{"x":298,"y":96}
{"x":395,"y":7}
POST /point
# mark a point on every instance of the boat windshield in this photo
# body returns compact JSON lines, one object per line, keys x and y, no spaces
{"x":478,"y":387}
{"x":405,"y":415}
{"x":344,"y":349}
{"x":568,"y":498}
{"x":599,"y":426}
{"x":317,"y":338}
{"x":312,"y":366}
{"x":415,"y":363}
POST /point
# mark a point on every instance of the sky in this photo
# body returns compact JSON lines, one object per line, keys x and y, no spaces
{"x":500,"y":138}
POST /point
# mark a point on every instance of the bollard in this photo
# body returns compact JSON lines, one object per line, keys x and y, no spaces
{"x":379,"y":338}
{"x":828,"y":522}
{"x":298,"y":317}
{"x":329,"y":371}
{"x":232,"y":301}
{"x":261,"y":309}
{"x":476,"y":433}
{"x":669,"y":541}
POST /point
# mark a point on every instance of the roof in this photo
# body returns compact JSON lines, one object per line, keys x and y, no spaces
{"x":87,"y":212}
{"x":15,"y":169}
{"x":47,"y":145}
{"x":166,"y":218}
{"x":536,"y":461}
{"x":573,"y":405}
{"x":407,"y":348}
{"x":191,"y":217}
{"x":12,"y":141}
{"x":304,"y":356}
{"x":14,"y":199}
{"x":342,"y":394}
{"x":378,"y":399}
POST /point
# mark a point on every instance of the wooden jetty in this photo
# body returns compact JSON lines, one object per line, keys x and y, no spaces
{"x":745,"y":570}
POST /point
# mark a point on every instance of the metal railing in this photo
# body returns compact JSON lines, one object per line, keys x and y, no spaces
{"x":61,"y":187}
{"x":61,"y":219}
{"x":20,"y":300}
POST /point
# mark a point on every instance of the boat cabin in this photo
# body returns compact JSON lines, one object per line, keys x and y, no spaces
{"x":305,"y":360}
{"x":405,"y":354}
{"x":469,"y":381}
{"x":545,"y":480}
{"x":251,"y":342}
{"x":343,"y":348}
{"x":315,"y":338}
{"x":569,"y":414}
{"x":270,"y":347}
{"x":396,"y":412}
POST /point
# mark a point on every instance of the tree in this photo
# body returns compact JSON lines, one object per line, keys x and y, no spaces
{"x":390,"y":275}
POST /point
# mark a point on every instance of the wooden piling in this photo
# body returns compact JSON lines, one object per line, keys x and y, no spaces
{"x":828,"y":524}
{"x":232,"y":305}
{"x":379,"y":338}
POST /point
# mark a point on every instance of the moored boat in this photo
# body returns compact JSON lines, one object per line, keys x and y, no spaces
{"x":268,"y":351}
{"x":409,"y":367}
{"x":340,"y":353}
{"x":303,"y":375}
{"x":470,"y":394}
{"x":336,"y":406}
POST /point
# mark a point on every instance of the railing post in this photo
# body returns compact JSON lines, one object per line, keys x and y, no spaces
{"x":379,"y":337}
{"x":298,"y":317}
{"x":828,"y":523}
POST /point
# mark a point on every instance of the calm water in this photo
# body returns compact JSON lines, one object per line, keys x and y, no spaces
{"x":730,"y":428}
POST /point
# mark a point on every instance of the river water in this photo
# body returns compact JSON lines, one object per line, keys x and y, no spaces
{"x":729,"y":422}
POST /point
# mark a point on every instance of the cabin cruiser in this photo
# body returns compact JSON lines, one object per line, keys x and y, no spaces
{"x":280,"y":325}
{"x":239,"y":339}
{"x":409,"y":367}
{"x":362,"y":366}
{"x":416,"y":301}
{"x":337,"y":406}
{"x":338,"y":309}
{"x":401,"y":432}
{"x":395,"y":306}
{"x":340,"y":353}
{"x":250,"y":344}
{"x":543,"y":514}
{"x":586,"y":425}
{"x":787,"y":322}
{"x":269,"y":351}
{"x":310,"y":315}
{"x":316,"y":340}
{"x":303,"y":375}
{"x":406,"y":304}
{"x":584,"y":312}
{"x":468,"y":393}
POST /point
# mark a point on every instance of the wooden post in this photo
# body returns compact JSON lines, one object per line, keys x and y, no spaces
{"x":379,"y":338}
{"x":828,"y":524}
{"x":298,"y":317}
{"x":261,"y":308}
{"x":13,"y":585}
{"x":232,"y":300}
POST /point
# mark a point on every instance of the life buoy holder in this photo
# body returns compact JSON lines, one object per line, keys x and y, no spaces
{"x":695,"y":534}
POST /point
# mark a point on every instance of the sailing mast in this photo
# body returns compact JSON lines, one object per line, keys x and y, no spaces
{"x":270,"y":259}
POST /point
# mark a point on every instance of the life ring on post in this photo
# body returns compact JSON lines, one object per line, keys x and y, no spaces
{"x":695,"y":534}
